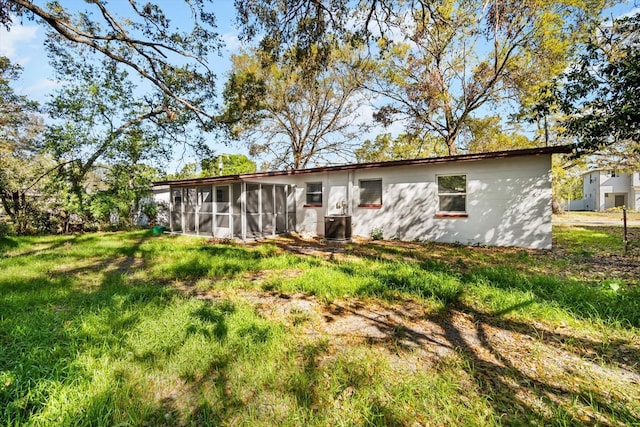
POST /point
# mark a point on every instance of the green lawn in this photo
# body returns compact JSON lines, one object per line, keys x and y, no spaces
{"x":137,"y":329}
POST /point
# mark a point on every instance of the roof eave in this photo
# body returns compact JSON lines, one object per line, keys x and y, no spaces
{"x":561,"y":149}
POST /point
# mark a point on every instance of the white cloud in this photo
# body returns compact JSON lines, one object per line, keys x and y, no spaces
{"x":629,"y":14}
{"x":231,"y":42}
{"x":16,"y":42}
{"x":43,"y":85}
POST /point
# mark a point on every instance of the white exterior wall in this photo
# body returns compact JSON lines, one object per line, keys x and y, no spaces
{"x":590,"y":191}
{"x":508,"y":202}
{"x":635,"y":191}
{"x":600,"y":190}
{"x":162,"y":198}
{"x":613,"y":186}
{"x":574,"y":205}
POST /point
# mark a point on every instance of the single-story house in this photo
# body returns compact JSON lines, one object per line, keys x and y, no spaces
{"x":604,"y":189}
{"x":500,"y":199}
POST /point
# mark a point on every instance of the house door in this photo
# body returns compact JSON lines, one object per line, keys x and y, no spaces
{"x":619,"y":201}
{"x":252,"y":195}
{"x":205,"y":209}
{"x":190,"y":204}
{"x":281,"y":209}
{"x":176,"y":210}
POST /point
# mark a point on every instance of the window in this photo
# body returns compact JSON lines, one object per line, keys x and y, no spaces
{"x":452,"y":194}
{"x":615,"y":173}
{"x":370,"y":193}
{"x":314,"y":194}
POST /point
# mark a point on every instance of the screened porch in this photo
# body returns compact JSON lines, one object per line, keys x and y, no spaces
{"x":241,"y":210}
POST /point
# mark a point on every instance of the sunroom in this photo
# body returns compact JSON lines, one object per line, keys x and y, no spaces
{"x":232,"y":209}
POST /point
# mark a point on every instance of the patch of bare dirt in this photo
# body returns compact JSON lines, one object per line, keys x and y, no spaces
{"x":557,"y":357}
{"x":528,"y":362}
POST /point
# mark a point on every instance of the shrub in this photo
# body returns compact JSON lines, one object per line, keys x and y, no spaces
{"x":377,"y":233}
{"x":5,"y":229}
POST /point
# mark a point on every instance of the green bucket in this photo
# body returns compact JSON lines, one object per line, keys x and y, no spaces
{"x":158,"y":229}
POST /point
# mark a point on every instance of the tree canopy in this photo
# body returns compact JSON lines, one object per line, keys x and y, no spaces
{"x":442,"y":64}
{"x":599,"y":93}
{"x":22,"y":162}
{"x":292,"y":113}
{"x":173,"y":60}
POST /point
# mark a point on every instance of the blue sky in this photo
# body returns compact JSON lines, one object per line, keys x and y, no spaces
{"x":24,"y":44}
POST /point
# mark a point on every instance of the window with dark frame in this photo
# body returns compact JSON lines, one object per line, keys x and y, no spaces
{"x":370,"y":193}
{"x":452,"y":194}
{"x":314,"y":194}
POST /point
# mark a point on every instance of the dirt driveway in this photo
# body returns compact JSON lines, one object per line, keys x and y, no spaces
{"x":596,"y":219}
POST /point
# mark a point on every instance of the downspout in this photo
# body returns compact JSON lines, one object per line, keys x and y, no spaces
{"x":275,"y":211}
{"x":350,"y":206}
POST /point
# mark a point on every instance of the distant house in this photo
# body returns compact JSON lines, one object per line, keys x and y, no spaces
{"x":605,"y":189}
{"x":500,"y":199}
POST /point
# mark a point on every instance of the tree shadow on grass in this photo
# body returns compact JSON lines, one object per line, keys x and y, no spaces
{"x":514,"y":392}
{"x":6,"y":244}
{"x":513,"y":364}
{"x":50,"y":244}
{"x":43,"y":332}
{"x":46,"y":323}
{"x":588,"y":301}
{"x":583,"y":299}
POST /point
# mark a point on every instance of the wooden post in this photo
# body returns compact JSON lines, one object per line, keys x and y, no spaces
{"x":624,"y":221}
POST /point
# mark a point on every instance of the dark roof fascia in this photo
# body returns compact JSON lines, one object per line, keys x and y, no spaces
{"x":560,"y":149}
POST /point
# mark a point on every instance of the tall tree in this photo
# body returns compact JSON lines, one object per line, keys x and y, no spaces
{"x":128,"y":178}
{"x":293,"y":113}
{"x":443,"y":63}
{"x":227,"y":164}
{"x":599,"y":94}
{"x":100,"y":114}
{"x":385,"y":147}
{"x":488,"y":134}
{"x":22,"y":165}
{"x":456,"y":59}
{"x":172,"y":59}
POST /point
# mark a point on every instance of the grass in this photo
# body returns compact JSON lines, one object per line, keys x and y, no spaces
{"x":136,"y":329}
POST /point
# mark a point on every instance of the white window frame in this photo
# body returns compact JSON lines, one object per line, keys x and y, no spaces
{"x":463,"y":194}
{"x":308,"y":193}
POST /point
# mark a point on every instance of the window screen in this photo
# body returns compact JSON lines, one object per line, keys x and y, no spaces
{"x":452,"y":193}
{"x":314,"y":193}
{"x":222,"y":194}
{"x":371,"y":192}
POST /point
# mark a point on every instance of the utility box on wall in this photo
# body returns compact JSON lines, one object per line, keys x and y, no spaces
{"x":337,"y":227}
